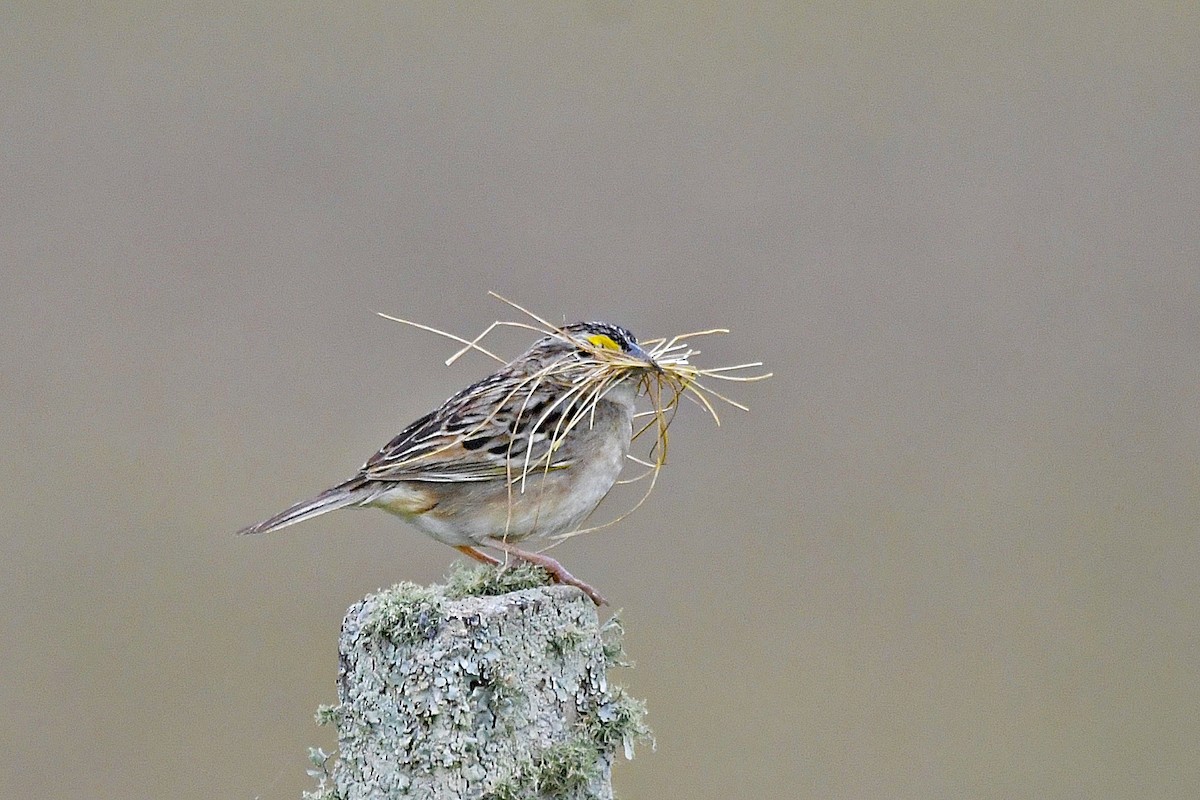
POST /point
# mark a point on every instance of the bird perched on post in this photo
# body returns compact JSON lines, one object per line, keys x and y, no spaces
{"x":530,"y":450}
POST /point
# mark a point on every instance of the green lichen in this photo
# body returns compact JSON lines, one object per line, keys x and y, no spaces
{"x":612,"y":635}
{"x":562,"y":770}
{"x":326,"y":790}
{"x":485,"y":581}
{"x":406,"y":613}
{"x":439,"y":687}
{"x":566,"y":641}
{"x":328,"y":715}
{"x":567,"y":768}
{"x":618,"y":721}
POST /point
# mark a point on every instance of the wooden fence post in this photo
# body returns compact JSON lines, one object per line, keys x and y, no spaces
{"x":444,"y":693}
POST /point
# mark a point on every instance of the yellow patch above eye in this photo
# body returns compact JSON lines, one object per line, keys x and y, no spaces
{"x":600,"y":340}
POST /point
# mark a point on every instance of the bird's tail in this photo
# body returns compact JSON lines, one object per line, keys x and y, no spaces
{"x":352,"y":492}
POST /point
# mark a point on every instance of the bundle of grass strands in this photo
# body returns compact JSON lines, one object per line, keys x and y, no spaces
{"x":664,"y":372}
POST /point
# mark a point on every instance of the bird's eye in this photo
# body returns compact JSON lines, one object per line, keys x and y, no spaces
{"x":603,"y":342}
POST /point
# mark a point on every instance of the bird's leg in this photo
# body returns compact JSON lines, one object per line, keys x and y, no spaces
{"x":556,"y":570}
{"x":478,"y":555}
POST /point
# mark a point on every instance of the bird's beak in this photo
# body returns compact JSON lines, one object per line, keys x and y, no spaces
{"x":638,"y":351}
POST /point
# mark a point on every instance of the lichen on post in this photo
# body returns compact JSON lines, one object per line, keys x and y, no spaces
{"x":491,"y":687}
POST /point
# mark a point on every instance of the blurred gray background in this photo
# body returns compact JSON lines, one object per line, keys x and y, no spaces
{"x":951,"y":551}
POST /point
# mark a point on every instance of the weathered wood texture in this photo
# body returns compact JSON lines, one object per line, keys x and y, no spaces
{"x":494,"y":698}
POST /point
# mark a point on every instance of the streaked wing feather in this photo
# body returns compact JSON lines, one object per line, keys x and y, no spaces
{"x":466,"y":440}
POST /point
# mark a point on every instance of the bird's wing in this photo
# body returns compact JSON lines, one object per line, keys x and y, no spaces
{"x":471,"y":437}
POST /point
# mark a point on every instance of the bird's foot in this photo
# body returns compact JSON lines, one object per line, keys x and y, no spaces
{"x":557,"y":571}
